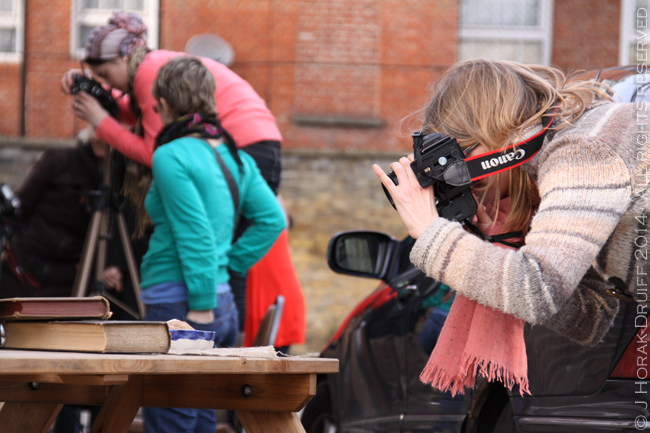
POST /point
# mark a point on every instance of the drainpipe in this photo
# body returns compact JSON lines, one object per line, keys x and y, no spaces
{"x":23,"y":76}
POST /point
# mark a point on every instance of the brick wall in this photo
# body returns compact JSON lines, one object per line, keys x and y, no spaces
{"x":9,"y":98}
{"x":586,"y":34}
{"x":340,"y":60}
{"x":360,"y":65}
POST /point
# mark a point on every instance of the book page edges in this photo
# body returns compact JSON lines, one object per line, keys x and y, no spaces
{"x":89,"y":336}
{"x":144,"y":337}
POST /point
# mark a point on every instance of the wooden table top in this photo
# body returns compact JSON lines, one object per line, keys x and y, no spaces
{"x":42,"y":362}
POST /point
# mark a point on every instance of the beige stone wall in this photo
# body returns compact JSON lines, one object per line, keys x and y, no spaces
{"x":325,"y":193}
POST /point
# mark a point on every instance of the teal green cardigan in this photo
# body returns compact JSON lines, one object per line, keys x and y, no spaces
{"x":191,"y":207}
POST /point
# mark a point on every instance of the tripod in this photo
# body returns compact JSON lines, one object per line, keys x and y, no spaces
{"x":105,"y":206}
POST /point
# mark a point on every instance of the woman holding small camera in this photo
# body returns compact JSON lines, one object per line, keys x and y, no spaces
{"x":583,"y":189}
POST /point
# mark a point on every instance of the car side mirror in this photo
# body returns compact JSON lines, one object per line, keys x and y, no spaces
{"x":361,"y":253}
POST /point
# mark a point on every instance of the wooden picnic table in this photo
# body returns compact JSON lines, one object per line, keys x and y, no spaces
{"x":266,"y":393}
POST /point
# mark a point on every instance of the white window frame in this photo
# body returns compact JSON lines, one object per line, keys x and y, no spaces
{"x":541,"y":33}
{"x":14,"y":20}
{"x":629,"y":32}
{"x":96,"y":17}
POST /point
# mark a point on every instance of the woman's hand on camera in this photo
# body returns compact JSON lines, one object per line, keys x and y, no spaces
{"x":112,"y":277}
{"x":88,"y":108}
{"x":67,"y":82}
{"x":415,"y":205}
{"x":482,"y":220}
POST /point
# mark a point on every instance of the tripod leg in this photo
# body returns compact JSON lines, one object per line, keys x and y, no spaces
{"x":102,"y":246}
{"x":83,"y":274}
{"x":130,"y":261}
{"x":113,"y":300}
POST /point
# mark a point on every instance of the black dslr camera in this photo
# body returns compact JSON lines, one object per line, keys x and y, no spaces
{"x":439,"y":161}
{"x":95,"y":89}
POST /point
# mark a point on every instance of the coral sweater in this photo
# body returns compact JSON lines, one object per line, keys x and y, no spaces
{"x":593,"y":187}
{"x":241,"y":111}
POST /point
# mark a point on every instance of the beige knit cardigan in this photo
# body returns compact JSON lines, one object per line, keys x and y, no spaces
{"x":591,"y":225}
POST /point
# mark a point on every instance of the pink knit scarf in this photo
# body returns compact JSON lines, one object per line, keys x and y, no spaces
{"x":479,"y":340}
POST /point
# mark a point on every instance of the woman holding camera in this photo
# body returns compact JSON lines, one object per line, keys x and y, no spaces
{"x":117,"y":54}
{"x":197,"y":173}
{"x":586,"y":189}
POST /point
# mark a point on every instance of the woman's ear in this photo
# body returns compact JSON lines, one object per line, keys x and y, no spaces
{"x":165,"y":106}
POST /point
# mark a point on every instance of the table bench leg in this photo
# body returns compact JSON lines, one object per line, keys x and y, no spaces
{"x":120,"y":407}
{"x":21,"y":417}
{"x":270,"y":422}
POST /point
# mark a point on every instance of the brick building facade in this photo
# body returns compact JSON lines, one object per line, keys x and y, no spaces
{"x":337,"y":74}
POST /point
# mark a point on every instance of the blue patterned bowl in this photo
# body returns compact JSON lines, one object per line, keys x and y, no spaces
{"x":187,"y":339}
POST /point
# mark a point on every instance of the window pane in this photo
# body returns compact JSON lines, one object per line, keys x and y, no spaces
{"x":640,"y":4}
{"x":84,"y":31}
{"x":6,"y":5}
{"x":520,"y":51}
{"x":134,"y":5}
{"x":8,"y":40}
{"x":499,"y":13}
{"x":105,"y":4}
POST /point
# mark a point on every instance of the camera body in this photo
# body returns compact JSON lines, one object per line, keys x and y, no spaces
{"x":439,"y":161}
{"x":95,"y":89}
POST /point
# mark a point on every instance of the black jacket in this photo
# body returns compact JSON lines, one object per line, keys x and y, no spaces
{"x":54,"y":218}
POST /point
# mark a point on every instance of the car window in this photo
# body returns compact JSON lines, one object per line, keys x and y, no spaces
{"x":402,"y":261}
{"x":643,"y":93}
{"x":630,"y":89}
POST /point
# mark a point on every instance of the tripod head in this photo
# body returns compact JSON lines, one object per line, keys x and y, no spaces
{"x":108,"y":194}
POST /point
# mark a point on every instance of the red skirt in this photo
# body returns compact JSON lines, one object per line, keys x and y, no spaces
{"x":275,"y":275}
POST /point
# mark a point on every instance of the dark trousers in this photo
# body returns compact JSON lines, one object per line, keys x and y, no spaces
{"x":176,"y":420}
{"x":267,"y":155}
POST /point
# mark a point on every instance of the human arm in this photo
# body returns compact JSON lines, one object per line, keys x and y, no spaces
{"x":189,"y":225}
{"x":585,"y":189}
{"x":139,"y":149}
{"x":259,"y":205}
{"x":109,"y":129}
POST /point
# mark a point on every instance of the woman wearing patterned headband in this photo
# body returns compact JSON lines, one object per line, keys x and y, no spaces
{"x":117,"y":54}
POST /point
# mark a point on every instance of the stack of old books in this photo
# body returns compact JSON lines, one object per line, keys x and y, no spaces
{"x":76,"y":324}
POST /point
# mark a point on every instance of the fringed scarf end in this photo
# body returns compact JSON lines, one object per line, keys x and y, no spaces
{"x":474,"y":366}
{"x":441,"y":379}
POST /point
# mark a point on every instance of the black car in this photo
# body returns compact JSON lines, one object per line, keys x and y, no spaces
{"x":574,"y":388}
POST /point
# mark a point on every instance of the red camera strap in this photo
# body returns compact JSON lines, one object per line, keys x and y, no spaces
{"x":496,"y":161}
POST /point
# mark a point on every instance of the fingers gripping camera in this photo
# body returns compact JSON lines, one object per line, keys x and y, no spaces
{"x":440,"y":162}
{"x":95,"y":89}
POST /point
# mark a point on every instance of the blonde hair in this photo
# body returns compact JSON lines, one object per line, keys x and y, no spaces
{"x":187,"y":85}
{"x":494,"y":102}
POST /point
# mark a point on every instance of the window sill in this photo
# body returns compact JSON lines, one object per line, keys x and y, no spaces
{"x":337,"y":121}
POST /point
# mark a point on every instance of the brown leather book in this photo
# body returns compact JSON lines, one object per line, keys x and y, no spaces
{"x":112,"y":336}
{"x":96,"y":307}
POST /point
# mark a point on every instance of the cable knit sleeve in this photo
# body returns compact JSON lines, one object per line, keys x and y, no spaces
{"x":585,"y":189}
